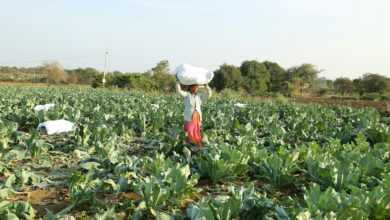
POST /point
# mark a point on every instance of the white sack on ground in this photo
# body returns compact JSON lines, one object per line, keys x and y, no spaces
{"x":43,"y":107}
{"x":190,"y":75}
{"x":56,"y":127}
{"x":240,"y":105}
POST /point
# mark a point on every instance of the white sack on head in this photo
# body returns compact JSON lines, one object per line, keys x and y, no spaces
{"x":190,"y":75}
{"x":43,"y":107}
{"x":56,"y":126}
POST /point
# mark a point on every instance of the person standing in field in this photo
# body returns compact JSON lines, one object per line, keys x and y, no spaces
{"x":193,"y":100}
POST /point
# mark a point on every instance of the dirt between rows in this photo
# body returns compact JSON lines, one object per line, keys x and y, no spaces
{"x":381,"y":106}
{"x":56,"y":199}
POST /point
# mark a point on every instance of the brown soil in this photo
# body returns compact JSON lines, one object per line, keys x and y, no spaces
{"x":381,"y":106}
{"x":53,"y":199}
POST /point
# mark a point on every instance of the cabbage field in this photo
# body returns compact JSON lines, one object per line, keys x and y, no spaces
{"x":126,"y":159}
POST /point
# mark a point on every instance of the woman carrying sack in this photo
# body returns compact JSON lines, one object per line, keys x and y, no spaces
{"x":193,"y":113}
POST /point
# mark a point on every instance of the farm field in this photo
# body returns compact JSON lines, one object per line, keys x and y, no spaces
{"x":381,"y":106}
{"x":126,"y":159}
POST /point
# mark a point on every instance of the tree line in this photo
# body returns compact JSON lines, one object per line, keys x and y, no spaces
{"x":267,"y":78}
{"x":252,"y":77}
{"x":52,"y":73}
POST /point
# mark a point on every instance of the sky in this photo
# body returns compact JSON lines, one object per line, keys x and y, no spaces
{"x":341,"y":37}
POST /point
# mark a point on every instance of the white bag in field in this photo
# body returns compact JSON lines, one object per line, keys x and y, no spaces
{"x":56,"y":126}
{"x":43,"y":107}
{"x":240,"y":105}
{"x":190,"y":75}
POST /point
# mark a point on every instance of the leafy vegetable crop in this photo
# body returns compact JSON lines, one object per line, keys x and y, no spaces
{"x":126,"y":159}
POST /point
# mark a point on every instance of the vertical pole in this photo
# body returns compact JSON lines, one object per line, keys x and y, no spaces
{"x":105,"y":68}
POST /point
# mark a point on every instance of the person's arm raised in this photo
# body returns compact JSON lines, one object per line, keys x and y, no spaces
{"x":209,"y":91}
{"x":179,"y":90}
{"x":207,"y":94}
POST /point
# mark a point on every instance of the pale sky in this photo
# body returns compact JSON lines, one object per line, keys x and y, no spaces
{"x":342,"y":37}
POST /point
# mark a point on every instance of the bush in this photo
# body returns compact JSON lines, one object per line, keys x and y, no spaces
{"x":129,"y":81}
{"x":97,"y":82}
{"x":323,"y":92}
{"x":279,"y":98}
{"x":371,"y":96}
{"x":55,"y":73}
{"x":120,"y":80}
{"x":386,"y":97}
{"x":82,"y":76}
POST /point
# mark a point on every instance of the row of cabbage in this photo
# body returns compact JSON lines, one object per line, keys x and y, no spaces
{"x":263,"y":160}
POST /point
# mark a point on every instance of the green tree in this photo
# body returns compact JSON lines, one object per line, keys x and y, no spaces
{"x":374,"y":83}
{"x":343,"y":85}
{"x":161,"y":68}
{"x":330,"y":84}
{"x":278,"y":77}
{"x":161,"y":77}
{"x":357,"y":86}
{"x":303,"y":77}
{"x":321,"y":83}
{"x":255,"y":77}
{"x":119,"y":80}
{"x":294,"y":87}
{"x":227,"y":76}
